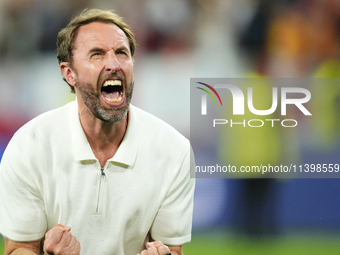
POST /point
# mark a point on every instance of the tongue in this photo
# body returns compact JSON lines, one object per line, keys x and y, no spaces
{"x":113,"y":95}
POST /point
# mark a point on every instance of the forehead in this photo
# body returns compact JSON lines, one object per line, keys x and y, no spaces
{"x":100,"y":34}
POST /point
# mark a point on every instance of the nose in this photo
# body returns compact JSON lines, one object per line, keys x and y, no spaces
{"x":112,"y":64}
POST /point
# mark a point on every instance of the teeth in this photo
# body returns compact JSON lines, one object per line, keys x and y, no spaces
{"x":112,"y":83}
{"x":116,"y":100}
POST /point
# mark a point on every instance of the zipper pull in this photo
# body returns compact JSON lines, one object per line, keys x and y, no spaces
{"x":103,"y":173}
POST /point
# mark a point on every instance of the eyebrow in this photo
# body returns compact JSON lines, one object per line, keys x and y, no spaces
{"x":123,"y":48}
{"x":96,"y":49}
{"x":99,"y":49}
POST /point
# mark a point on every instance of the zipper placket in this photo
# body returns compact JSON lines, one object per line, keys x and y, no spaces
{"x":101,"y":179}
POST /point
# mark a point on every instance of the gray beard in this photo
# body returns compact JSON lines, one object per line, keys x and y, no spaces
{"x":91,"y":100}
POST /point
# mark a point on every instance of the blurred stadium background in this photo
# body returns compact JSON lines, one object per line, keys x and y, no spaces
{"x":181,"y":39}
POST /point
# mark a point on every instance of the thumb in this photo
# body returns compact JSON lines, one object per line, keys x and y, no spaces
{"x":63,"y":228}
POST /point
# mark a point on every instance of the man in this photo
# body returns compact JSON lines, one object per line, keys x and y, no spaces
{"x":97,"y":175}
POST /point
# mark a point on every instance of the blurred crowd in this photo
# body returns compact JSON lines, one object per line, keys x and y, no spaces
{"x":278,"y":38}
{"x":31,"y":26}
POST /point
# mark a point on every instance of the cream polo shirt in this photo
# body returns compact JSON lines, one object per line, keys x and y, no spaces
{"x":49,"y":175}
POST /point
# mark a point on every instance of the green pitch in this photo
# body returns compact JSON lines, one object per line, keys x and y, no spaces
{"x":297,"y":244}
{"x":220,"y":244}
{"x":2,"y":248}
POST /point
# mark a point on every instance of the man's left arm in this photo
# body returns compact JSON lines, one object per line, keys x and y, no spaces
{"x":175,"y":213}
{"x":158,"y":248}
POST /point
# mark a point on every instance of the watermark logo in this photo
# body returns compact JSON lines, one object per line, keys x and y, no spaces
{"x":279,"y":98}
{"x":238,"y":99}
{"x":204,"y":97}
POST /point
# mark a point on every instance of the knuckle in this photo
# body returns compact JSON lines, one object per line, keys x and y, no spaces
{"x":48,"y":246}
{"x":76,"y":247}
{"x":54,"y":232}
{"x":158,"y":243}
{"x":75,"y":241}
{"x":164,"y":249}
{"x":74,"y":252}
{"x":47,"y":234}
{"x":67,"y":234}
{"x":48,"y":249}
{"x":144,"y":252}
{"x":58,"y":251}
{"x":50,"y":233}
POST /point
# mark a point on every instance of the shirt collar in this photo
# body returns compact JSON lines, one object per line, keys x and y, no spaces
{"x":127,"y":151}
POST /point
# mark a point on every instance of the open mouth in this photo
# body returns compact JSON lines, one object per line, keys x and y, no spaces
{"x":112,"y":91}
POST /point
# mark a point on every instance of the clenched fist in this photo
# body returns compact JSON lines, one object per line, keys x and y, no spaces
{"x":59,"y":241}
{"x":156,"y":248}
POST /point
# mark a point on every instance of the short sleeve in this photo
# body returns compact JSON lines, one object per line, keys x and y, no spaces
{"x":173,"y":222}
{"x":22,"y":213}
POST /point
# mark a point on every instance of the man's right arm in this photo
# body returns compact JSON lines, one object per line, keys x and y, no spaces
{"x":58,"y":241}
{"x":22,"y":248}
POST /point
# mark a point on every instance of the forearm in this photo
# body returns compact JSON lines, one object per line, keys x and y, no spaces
{"x":21,"y":251}
{"x":22,"y":248}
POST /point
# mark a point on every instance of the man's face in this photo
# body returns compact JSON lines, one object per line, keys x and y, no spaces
{"x":103,"y":69}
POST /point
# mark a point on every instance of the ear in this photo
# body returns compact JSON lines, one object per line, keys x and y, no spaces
{"x":68,"y":73}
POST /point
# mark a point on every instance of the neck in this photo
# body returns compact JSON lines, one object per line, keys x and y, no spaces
{"x":104,"y":138}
